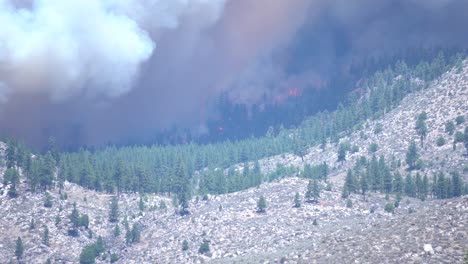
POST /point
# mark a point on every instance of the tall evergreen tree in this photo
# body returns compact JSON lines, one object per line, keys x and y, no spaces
{"x":297,"y":200}
{"x":182,"y":187}
{"x":465,"y":139}
{"x":308,"y":194}
{"x":409,"y":186}
{"x":75,"y":216}
{"x":398,"y":183}
{"x":315,"y":191}
{"x":19,"y":249}
{"x":412,"y":155}
{"x":114,"y":210}
{"x":45,"y":236}
{"x":261,"y":205}
{"x":387,"y":180}
{"x":47,"y":175}
{"x":457,"y":183}
{"x":441,"y":186}
{"x":364,"y":184}
{"x":350,"y":182}
{"x":421,"y":127}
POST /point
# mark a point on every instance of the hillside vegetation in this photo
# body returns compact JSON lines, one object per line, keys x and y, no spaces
{"x":381,"y":179}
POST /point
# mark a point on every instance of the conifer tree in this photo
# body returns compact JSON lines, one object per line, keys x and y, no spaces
{"x":441,"y":186}
{"x":398,"y":183}
{"x":465,"y":139}
{"x":315,"y":191}
{"x":342,"y":152}
{"x":297,"y":200}
{"x":261,"y":205}
{"x":412,"y":155}
{"x":421,"y":127}
{"x":425,"y":188}
{"x":185,"y":246}
{"x":409,"y":186}
{"x":114,"y":210}
{"x":182,"y":187}
{"x":388,"y":181}
{"x":457,"y":183}
{"x":308,"y":194}
{"x":19,"y":249}
{"x":75,"y":216}
{"x":364,"y":184}
{"x":449,"y":127}
{"x":46,"y":177}
{"x":350,"y":182}
{"x":45,"y":236}
{"x":116,"y":231}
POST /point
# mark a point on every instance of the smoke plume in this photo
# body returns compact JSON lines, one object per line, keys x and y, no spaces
{"x":92,"y":72}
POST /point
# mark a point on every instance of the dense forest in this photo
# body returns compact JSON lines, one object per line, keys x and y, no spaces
{"x":200,"y":168}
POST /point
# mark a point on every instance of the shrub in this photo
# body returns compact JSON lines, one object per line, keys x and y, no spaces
{"x":373,"y":147}
{"x":48,"y":200}
{"x":459,"y":136}
{"x":389,"y":208}
{"x":460,"y":119}
{"x":114,"y":258}
{"x":349,"y":203}
{"x":204,"y":247}
{"x":184,"y":245}
{"x":440,"y":141}
{"x":449,"y":127}
{"x":378,"y":129}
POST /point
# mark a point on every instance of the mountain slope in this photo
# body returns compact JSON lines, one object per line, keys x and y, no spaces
{"x":237,"y":234}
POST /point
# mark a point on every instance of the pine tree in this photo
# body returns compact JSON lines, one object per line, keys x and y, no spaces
{"x":46,"y":177}
{"x":449,"y":127}
{"x":364,"y":184}
{"x":425,"y":188}
{"x":182,"y":187}
{"x":297,"y":200}
{"x":421,"y":127}
{"x":412,"y":155}
{"x":457,"y":184}
{"x":141,"y":204}
{"x":350,"y":182}
{"x":398,"y":183}
{"x":185,"y":246}
{"x":45,"y":236}
{"x":441,"y":186}
{"x":114,"y":210}
{"x":204,"y":247}
{"x":261,"y":205}
{"x":308,"y":194}
{"x":136,"y":233}
{"x":48,"y":200}
{"x":315,"y":191}
{"x":465,"y":139}
{"x":19,"y":249}
{"x":387,"y":180}
{"x":116,"y":231}
{"x":342,"y":152}
{"x":75,"y":216}
{"x":409,"y":186}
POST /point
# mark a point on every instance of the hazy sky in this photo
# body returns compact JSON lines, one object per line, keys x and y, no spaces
{"x":99,"y":71}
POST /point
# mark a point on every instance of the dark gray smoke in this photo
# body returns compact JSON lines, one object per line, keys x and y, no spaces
{"x":127,"y":69}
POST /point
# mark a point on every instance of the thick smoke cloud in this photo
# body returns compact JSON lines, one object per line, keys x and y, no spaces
{"x":117,"y":71}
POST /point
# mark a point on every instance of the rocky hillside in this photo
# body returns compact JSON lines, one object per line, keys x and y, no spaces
{"x":417,"y":232}
{"x":358,"y":230}
{"x":444,"y":100}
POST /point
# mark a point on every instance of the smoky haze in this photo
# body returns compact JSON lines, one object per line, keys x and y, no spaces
{"x":92,"y":72}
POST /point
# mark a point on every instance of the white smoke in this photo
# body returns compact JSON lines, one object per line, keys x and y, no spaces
{"x":90,"y":47}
